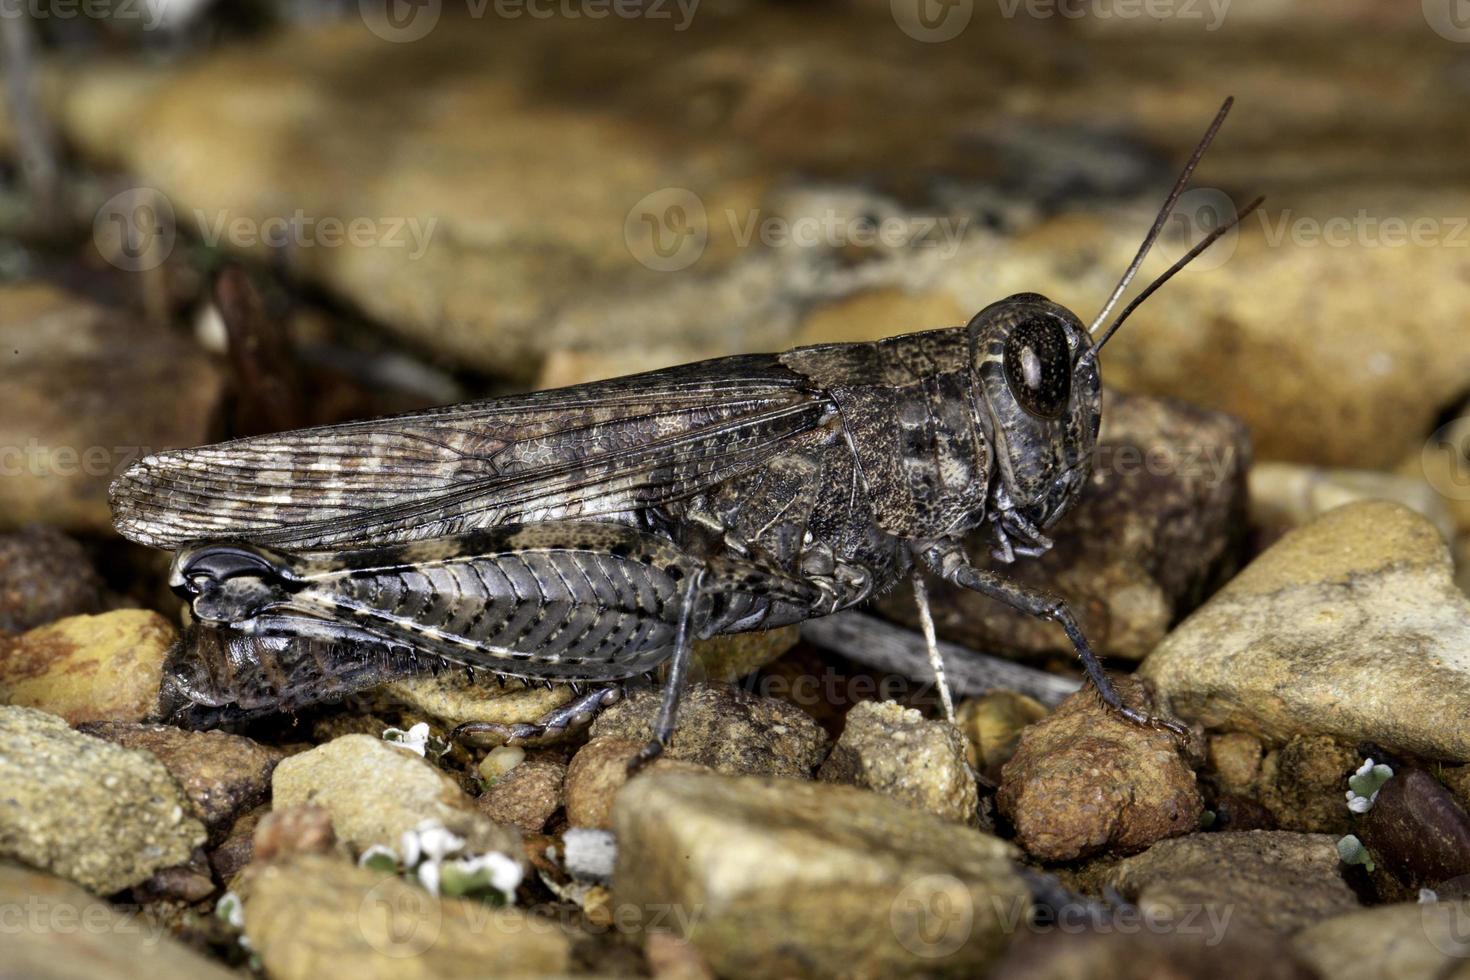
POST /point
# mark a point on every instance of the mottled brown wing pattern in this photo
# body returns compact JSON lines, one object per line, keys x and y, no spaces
{"x":571,"y":453}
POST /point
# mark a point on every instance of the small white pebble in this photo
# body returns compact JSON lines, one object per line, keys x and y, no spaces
{"x":501,"y":761}
{"x":590,"y":854}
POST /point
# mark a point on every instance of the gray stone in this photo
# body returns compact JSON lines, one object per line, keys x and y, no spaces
{"x":224,"y":775}
{"x":1350,"y":626}
{"x":779,"y":878}
{"x":103,"y":816}
{"x":1404,"y":941}
{"x":1262,"y":879}
{"x":44,"y":576}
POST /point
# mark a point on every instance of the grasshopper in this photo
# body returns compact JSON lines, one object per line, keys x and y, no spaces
{"x":590,"y":534}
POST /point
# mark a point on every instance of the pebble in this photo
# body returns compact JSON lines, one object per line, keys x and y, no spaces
{"x":895,"y":751}
{"x":726,"y":729}
{"x":54,"y":930}
{"x":780,"y":878}
{"x":106,"y":667}
{"x":1131,"y":950}
{"x":1288,"y":495}
{"x":527,"y":796}
{"x":1403,"y":941}
{"x":1350,"y":626}
{"x":1083,"y":780}
{"x":44,"y":576}
{"x":87,"y":391}
{"x":598,"y":771}
{"x":311,"y":916}
{"x":1267,"y":879}
{"x":302,"y":828}
{"x":992,"y":725}
{"x":98,"y":814}
{"x":375,"y":792}
{"x":1304,"y":784}
{"x":224,"y":775}
{"x":1417,"y":831}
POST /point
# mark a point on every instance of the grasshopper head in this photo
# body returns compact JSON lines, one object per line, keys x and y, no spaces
{"x":1039,"y":399}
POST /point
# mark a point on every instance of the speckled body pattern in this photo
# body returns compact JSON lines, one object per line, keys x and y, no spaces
{"x":556,"y":535}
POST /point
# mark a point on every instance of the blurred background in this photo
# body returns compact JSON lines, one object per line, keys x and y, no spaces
{"x":219,"y":219}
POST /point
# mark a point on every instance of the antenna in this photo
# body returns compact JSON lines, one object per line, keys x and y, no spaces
{"x":1189,"y":257}
{"x":1158,"y":227}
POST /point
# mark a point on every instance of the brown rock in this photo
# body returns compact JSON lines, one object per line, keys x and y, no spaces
{"x":1084,"y":780}
{"x":237,"y":849}
{"x":313,"y":916}
{"x":89,"y":668}
{"x":1266,"y":879}
{"x":303,"y":828}
{"x":598,"y":771}
{"x":725,"y":728}
{"x":727,"y":658}
{"x":453,"y":699}
{"x":86,"y":392}
{"x":1196,"y":948}
{"x":44,"y":576}
{"x":72,"y":934}
{"x":526,"y":796}
{"x":897,"y":752}
{"x":1159,"y":527}
{"x":224,"y":775}
{"x":1390,"y":942}
{"x":1235,"y":759}
{"x":1417,"y":831}
{"x":992,"y":725}
{"x":1304,"y":784}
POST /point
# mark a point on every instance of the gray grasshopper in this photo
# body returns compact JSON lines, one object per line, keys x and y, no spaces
{"x":590,"y":534}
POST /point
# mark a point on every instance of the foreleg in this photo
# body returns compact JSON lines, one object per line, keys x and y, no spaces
{"x":950,"y":563}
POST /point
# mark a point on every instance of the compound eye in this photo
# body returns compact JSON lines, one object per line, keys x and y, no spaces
{"x":1038,"y":367}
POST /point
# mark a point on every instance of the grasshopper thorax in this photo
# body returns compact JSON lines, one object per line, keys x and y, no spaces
{"x":1038,"y":399}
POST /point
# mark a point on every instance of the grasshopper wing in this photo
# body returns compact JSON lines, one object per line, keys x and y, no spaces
{"x":572,"y":453}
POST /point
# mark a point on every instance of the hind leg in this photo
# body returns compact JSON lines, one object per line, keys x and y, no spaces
{"x":668,"y":711}
{"x":576,"y":713}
